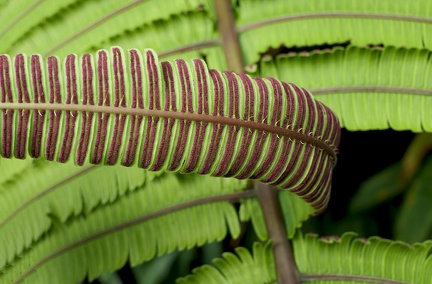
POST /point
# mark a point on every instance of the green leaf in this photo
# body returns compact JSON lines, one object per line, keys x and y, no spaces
{"x":170,"y":212}
{"x":155,"y":270}
{"x":414,"y":221}
{"x":378,"y":188}
{"x":367,"y":88}
{"x":348,"y":259}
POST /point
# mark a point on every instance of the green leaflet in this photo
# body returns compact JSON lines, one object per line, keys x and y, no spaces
{"x":130,"y":109}
{"x":347,"y":258}
{"x":366,"y":88}
{"x":307,"y":23}
{"x":131,"y":228}
{"x":241,"y":267}
{"x":384,"y":185}
{"x":414,"y":220}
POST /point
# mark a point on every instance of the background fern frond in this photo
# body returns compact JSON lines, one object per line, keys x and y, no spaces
{"x":154,"y":223}
{"x":264,"y":24}
{"x":42,"y":191}
{"x":103,"y":20}
{"x":241,"y":267}
{"x":368,"y":88}
{"x":348,"y":258}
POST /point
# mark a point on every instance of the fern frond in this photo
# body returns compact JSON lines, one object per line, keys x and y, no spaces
{"x":241,"y":267}
{"x":182,"y":117}
{"x":198,"y":39}
{"x":170,"y":212}
{"x":19,"y":17}
{"x":43,"y":190}
{"x":264,"y":24}
{"x":89,"y":23}
{"x":349,"y":259}
{"x":367,"y":88}
{"x":326,"y":260}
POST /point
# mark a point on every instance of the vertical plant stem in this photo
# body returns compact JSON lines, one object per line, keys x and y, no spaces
{"x":286,"y":267}
{"x":228,"y":31}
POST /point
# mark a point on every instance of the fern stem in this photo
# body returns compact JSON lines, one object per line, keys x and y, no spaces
{"x":228,"y":31}
{"x":372,"y":89}
{"x":356,"y":278}
{"x":286,"y":267}
{"x":194,"y":46}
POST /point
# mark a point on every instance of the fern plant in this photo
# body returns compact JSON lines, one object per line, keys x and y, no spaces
{"x":122,"y":154}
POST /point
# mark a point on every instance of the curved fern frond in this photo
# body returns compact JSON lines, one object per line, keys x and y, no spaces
{"x":181,"y":117}
{"x":391,"y":86}
{"x":349,"y":259}
{"x":241,"y":267}
{"x":170,"y":212}
{"x":307,"y":23}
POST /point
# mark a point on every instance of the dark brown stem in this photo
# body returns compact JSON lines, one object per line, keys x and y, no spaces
{"x":228,"y":31}
{"x":286,"y":267}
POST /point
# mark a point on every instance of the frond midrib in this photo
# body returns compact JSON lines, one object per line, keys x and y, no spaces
{"x":310,"y":278}
{"x":371,"y":89}
{"x":253,"y":125}
{"x":306,"y":16}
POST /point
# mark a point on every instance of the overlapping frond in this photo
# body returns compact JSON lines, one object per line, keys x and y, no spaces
{"x":130,"y":109}
{"x":264,"y":24}
{"x":367,"y":88}
{"x":349,"y":259}
{"x":170,"y":212}
{"x":241,"y":267}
